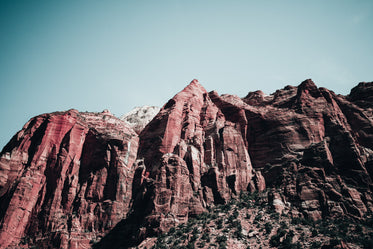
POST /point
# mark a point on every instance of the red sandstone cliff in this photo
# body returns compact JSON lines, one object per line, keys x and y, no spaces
{"x":193,"y":157}
{"x":69,"y":178}
{"x":66,"y":179}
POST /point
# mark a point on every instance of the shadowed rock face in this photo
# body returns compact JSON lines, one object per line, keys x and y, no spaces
{"x":69,"y":178}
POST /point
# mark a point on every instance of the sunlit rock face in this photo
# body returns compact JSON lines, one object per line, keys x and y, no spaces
{"x":194,"y":157}
{"x":69,"y":178}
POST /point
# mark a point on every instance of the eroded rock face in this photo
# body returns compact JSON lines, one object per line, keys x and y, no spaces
{"x":191,"y":126}
{"x":190,"y":145}
{"x":322,"y":149}
{"x":72,"y":177}
{"x":66,"y":179}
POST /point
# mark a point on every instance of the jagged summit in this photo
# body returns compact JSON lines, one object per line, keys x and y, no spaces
{"x":308,"y":84}
{"x":193,"y":89}
{"x":71,"y":178}
{"x":362,"y":94}
{"x":195,"y":84}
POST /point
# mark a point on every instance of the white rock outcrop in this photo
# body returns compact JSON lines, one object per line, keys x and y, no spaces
{"x":139,"y":117}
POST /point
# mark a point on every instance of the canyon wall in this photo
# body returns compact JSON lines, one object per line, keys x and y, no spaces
{"x":68,"y":179}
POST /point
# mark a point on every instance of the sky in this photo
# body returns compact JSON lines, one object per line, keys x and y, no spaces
{"x":116,"y":55}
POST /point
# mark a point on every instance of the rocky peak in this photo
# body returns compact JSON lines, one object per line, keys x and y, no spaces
{"x":307,"y":92}
{"x":194,"y":90}
{"x":362,"y":95}
{"x":194,"y":85}
{"x":254,"y":98}
{"x":307,"y":85}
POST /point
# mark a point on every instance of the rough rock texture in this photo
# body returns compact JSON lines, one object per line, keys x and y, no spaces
{"x":68,"y":178}
{"x":139,"y":117}
{"x":192,"y":141}
{"x":317,"y":147}
{"x":190,"y":157}
{"x":65,"y":179}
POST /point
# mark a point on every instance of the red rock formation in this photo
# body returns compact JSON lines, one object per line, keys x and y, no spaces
{"x":195,"y":158}
{"x":328,"y":140}
{"x":192,"y":127}
{"x":67,"y":178}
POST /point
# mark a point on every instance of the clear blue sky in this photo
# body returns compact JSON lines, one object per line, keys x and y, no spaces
{"x":93,"y":55}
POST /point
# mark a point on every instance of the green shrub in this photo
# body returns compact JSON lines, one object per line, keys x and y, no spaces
{"x":367,"y":243}
{"x":206,"y":237}
{"x":230,"y":219}
{"x":287,"y":242}
{"x":219,"y":223}
{"x":235,"y":214}
{"x":281,"y":232}
{"x":177,"y":242}
{"x":257,"y":218}
{"x":214,"y":216}
{"x":283,"y":225}
{"x":226,"y":208}
{"x":316,"y":245}
{"x":221,"y":238}
{"x":275,"y":240}
{"x":201,"y":244}
{"x":275,"y":216}
{"x":172,"y":230}
{"x":235,"y":223}
{"x":359,"y":228}
{"x":194,"y":237}
{"x":203,"y":216}
{"x":190,"y":245}
{"x":268,"y":227}
{"x":222,"y":245}
{"x":238,"y":232}
{"x":25,"y":240}
{"x":178,"y":233}
{"x":334,"y":242}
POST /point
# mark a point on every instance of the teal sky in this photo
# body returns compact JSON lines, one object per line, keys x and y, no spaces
{"x":96,"y":55}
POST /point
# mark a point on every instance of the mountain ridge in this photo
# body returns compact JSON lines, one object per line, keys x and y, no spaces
{"x":70,"y":178}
